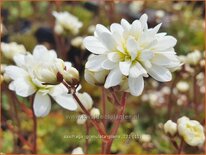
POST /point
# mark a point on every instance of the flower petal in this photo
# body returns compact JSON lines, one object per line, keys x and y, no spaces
{"x":143,"y":19}
{"x":66,"y":101}
{"x":113,"y":78}
{"x":42,"y":105}
{"x":15,"y":72}
{"x":100,"y":29}
{"x":23,"y":87}
{"x":166,"y":42}
{"x":113,"y":56}
{"x":108,"y":65}
{"x":136,"y":85}
{"x":159,"y":73}
{"x":108,"y":41}
{"x":125,"y":67}
{"x":94,"y":62}
{"x":137,"y":70}
{"x":132,"y":47}
{"x":94,"y":45}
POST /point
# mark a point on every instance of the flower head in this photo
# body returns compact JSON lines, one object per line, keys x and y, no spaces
{"x":191,"y":131}
{"x":78,"y":150}
{"x":130,"y":52}
{"x":40,"y":73}
{"x":66,"y":22}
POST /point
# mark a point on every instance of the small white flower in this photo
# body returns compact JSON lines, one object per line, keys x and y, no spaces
{"x":166,"y":90}
{"x":78,"y":150}
{"x":182,"y":99}
{"x":91,"y":29}
{"x":58,"y":29}
{"x":145,"y":138}
{"x":95,"y":113}
{"x":170,"y":127}
{"x":12,"y":49}
{"x":159,"y":14}
{"x":33,"y":75}
{"x":191,"y":131}
{"x":130,"y":52}
{"x":82,"y":119}
{"x":67,"y":21}
{"x":194,"y":57}
{"x":183,"y":86}
{"x":136,"y":6}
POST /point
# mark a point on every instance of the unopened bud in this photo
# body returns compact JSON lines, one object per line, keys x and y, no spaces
{"x":81,"y":119}
{"x":170,"y":127}
{"x":71,"y":76}
{"x":95,"y":113}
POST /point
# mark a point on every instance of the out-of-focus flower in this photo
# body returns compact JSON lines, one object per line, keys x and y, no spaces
{"x":82,"y":119}
{"x":191,"y":131}
{"x":86,"y":100}
{"x":95,"y":78}
{"x":202,"y":89}
{"x":28,"y":78}
{"x":145,"y":97}
{"x":78,"y":150}
{"x":159,"y":14}
{"x":194,"y":57}
{"x":145,"y":138}
{"x":9,"y":50}
{"x":182,"y":100}
{"x":95,"y":113}
{"x":170,"y":127}
{"x":67,"y":22}
{"x":78,"y":42}
{"x":202,"y":63}
{"x":183,"y":86}
{"x":166,"y":90}
{"x":130,"y":52}
{"x":136,"y":6}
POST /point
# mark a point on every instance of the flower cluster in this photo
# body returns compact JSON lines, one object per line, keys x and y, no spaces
{"x":66,"y":22}
{"x":190,"y":130}
{"x":41,"y":73}
{"x":125,"y":54}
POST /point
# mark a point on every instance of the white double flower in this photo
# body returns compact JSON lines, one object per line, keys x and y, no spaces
{"x":129,"y":52}
{"x":41,"y":74}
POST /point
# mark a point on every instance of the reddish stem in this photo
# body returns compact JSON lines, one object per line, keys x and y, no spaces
{"x":116,"y":123}
{"x":34,"y":150}
{"x":99,"y":128}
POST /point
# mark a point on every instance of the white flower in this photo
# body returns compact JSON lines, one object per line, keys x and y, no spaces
{"x":91,"y":29}
{"x":166,"y":90}
{"x":9,"y":50}
{"x":191,"y":131}
{"x":82,"y":119}
{"x":159,"y":13}
{"x":194,"y":57}
{"x":183,"y":86}
{"x":86,"y":100}
{"x":145,"y":138}
{"x":95,"y":113}
{"x":28,"y":79}
{"x":131,"y":52}
{"x":170,"y":127}
{"x":136,"y":6}
{"x":66,"y":21}
{"x":78,"y":150}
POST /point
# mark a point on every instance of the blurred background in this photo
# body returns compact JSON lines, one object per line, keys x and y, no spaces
{"x":31,"y":23}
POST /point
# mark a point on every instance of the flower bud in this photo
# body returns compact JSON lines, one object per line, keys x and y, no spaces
{"x":170,"y":127}
{"x":78,"y":150}
{"x":182,"y":86}
{"x":95,"y":78}
{"x":95,"y":113}
{"x":71,"y":76}
{"x":145,"y":138}
{"x":82,"y":119}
